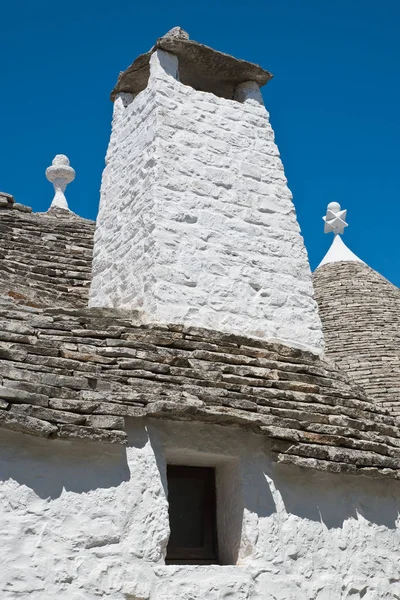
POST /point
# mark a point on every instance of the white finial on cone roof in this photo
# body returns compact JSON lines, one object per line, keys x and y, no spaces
{"x":335,"y":219}
{"x":335,"y":223}
{"x":60,"y":174}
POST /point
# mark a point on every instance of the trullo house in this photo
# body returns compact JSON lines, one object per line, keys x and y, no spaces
{"x":175,"y":420}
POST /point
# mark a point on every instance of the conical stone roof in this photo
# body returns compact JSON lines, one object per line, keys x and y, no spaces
{"x":360,"y":314}
{"x":45,"y":258}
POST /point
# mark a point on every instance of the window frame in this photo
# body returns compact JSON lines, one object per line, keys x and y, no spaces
{"x":208,"y":552}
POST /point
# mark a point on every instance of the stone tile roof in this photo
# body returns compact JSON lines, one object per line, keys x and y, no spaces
{"x":360,"y":313}
{"x":72,"y":372}
{"x":45,"y":259}
{"x":78,"y":373}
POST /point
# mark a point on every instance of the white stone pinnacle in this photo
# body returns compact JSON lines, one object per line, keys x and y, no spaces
{"x":335,"y":223}
{"x":335,"y":219}
{"x":60,"y":174}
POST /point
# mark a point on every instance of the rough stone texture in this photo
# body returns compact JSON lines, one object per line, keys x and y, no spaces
{"x":78,"y":373}
{"x":196,"y":222}
{"x":8,"y":201}
{"x":201,"y":67}
{"x":82,"y":522}
{"x":45,"y":258}
{"x":360,"y":313}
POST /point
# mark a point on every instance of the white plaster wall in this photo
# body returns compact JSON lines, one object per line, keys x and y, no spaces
{"x":196,"y":222}
{"x":88,"y":521}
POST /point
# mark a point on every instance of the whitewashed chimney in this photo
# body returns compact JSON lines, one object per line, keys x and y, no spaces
{"x":196,"y":222}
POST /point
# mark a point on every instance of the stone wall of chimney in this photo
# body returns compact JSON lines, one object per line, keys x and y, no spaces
{"x":196,"y":222}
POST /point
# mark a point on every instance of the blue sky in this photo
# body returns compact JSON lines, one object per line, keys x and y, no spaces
{"x":334,"y":100}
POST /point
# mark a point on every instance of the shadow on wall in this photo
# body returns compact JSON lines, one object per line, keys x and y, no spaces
{"x":257,"y":495}
{"x":326,"y":498}
{"x":49,"y":466}
{"x":332,"y":498}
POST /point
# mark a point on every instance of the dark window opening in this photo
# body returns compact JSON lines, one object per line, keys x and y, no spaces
{"x":192,"y":515}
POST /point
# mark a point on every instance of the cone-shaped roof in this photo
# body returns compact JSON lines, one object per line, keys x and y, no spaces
{"x":360,"y":314}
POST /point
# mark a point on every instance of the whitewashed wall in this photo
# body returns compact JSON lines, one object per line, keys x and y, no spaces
{"x":196,"y":222}
{"x":83,"y":522}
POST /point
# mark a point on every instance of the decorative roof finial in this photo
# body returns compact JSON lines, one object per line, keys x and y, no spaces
{"x":335,"y":222}
{"x":60,"y":174}
{"x":335,"y":219}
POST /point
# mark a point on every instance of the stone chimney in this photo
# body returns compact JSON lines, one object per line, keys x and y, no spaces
{"x":196,"y":222}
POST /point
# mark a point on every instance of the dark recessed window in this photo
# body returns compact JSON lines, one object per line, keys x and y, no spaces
{"x":192,"y":515}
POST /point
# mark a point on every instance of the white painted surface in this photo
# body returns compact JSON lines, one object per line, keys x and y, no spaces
{"x":339,"y":252}
{"x":82,"y":522}
{"x":335,"y":219}
{"x":196,"y":222}
{"x":60,"y":173}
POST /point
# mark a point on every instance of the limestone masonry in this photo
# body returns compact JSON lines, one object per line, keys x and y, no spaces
{"x":194,"y":198}
{"x":360,"y":310}
{"x":78,"y":373}
{"x":183,"y":331}
{"x":45,"y":259}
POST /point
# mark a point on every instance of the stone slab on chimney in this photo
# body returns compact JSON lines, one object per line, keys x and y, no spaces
{"x":196,"y":222}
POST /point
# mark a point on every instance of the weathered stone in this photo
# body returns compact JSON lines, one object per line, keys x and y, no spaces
{"x":22,"y":207}
{"x":8,"y":197}
{"x":26,"y":424}
{"x":6,"y":336}
{"x":13,"y":354}
{"x":121,"y":410}
{"x":47,"y":414}
{"x":91,"y":382}
{"x":312,"y":463}
{"x":344,"y":455}
{"x":142,"y":364}
{"x":105,"y":422}
{"x":20,"y":396}
{"x":127,"y":397}
{"x":83,"y":357}
{"x":35,"y":387}
{"x":203,"y":61}
{"x":30,"y":237}
{"x":77,"y":406}
{"x":361,"y":319}
{"x":92,"y":434}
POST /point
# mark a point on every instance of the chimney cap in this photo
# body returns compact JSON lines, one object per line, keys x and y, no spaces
{"x":200,"y":66}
